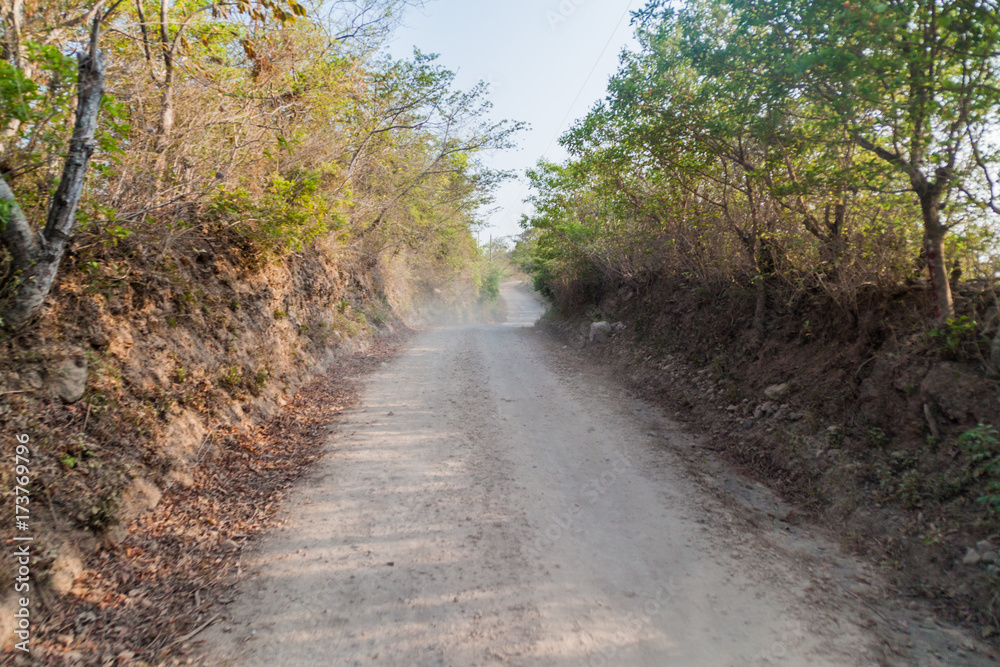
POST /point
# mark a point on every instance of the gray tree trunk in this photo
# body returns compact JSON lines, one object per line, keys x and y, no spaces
{"x":36,"y":258}
{"x":934,"y":233}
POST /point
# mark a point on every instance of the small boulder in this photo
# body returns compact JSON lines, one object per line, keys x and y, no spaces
{"x":600,"y":332}
{"x":777,"y":391}
{"x":69,"y":380}
{"x":33,"y":379}
{"x":99,"y":340}
{"x":972,"y":557}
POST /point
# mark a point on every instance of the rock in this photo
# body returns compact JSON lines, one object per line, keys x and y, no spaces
{"x":66,"y":567}
{"x":993,"y":571}
{"x":984,"y":545}
{"x":959,"y":392}
{"x":776,"y":391}
{"x":33,"y":379}
{"x":99,"y":339}
{"x":758,"y":412}
{"x":989,"y":557}
{"x":182,"y":477}
{"x":85,"y":617}
{"x":70,"y":379}
{"x":619,"y":326}
{"x":599,"y":333}
{"x":732,"y":408}
{"x":183,"y":439}
{"x":229,"y":545}
{"x":141,"y":496}
{"x":972,"y":557}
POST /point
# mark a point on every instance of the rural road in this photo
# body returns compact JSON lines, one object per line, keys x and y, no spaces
{"x":490,"y":502}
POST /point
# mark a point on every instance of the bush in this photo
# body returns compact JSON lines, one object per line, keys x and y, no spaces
{"x":489,"y":288}
{"x":983,"y":446}
{"x":289,"y":214}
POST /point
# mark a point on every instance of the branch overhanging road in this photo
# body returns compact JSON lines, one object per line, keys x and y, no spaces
{"x":489,"y":502}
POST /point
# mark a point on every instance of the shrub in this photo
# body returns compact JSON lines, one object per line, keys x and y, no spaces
{"x":983,"y":446}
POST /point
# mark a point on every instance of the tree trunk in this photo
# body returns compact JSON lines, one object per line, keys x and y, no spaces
{"x":994,"y":362}
{"x":760,"y":309}
{"x":16,"y":233}
{"x":166,"y":129}
{"x":38,"y":261}
{"x":934,"y":233}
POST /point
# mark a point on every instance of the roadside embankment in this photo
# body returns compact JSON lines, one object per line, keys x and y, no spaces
{"x":870,"y":426}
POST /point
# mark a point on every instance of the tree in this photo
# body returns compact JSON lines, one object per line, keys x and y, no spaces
{"x":912,"y":82}
{"x":434,"y":135}
{"x":36,"y":257}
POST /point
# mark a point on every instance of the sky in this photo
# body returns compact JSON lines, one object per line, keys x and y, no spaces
{"x":537,"y":56}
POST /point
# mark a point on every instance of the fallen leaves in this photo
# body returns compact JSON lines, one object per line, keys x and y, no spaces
{"x":168,"y":580}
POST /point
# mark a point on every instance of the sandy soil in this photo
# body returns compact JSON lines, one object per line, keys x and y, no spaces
{"x":492,"y":501}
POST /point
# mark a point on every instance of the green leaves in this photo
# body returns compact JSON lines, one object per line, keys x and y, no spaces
{"x":18,"y":94}
{"x":23,"y":98}
{"x":748,"y":134}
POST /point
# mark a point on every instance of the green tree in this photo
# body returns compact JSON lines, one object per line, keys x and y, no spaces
{"x":912,"y":82}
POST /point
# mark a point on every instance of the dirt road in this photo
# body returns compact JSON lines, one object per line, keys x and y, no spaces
{"x":492,"y":503}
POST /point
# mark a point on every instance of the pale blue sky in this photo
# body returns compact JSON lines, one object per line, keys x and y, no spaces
{"x":536,"y":54}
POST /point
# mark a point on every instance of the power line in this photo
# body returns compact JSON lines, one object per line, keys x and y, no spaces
{"x":558,"y":130}
{"x":587,"y":80}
